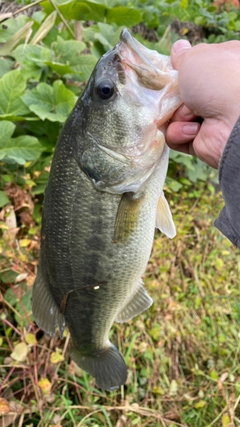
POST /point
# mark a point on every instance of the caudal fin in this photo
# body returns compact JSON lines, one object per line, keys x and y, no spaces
{"x":108,"y":367}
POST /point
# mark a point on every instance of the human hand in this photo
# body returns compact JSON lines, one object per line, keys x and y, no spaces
{"x":209,"y":84}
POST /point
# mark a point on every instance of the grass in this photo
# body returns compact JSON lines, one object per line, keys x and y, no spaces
{"x":183,"y":353}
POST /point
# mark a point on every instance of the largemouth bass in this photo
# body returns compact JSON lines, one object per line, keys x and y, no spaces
{"x":102,"y":203}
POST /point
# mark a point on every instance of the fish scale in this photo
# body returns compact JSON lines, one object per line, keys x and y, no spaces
{"x":102,"y":203}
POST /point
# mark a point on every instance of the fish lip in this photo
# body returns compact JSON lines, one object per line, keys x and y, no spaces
{"x":142,"y":61}
{"x":135,"y":46}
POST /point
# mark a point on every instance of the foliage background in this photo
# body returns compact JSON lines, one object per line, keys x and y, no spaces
{"x":183,"y":354}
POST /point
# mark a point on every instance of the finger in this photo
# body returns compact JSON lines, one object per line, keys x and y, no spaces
{"x":180,"y":133}
{"x":183,"y":114}
{"x":178,"y":51}
{"x":186,"y":148}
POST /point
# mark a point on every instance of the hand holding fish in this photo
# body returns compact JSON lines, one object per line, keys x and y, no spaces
{"x":209,"y":85}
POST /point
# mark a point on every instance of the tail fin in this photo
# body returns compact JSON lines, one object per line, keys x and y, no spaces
{"x":108,"y":367}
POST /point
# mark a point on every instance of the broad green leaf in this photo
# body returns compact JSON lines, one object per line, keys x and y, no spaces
{"x":85,"y":66}
{"x":36,"y":54}
{"x":5,"y":66}
{"x":19,"y":149}
{"x":38,"y":16}
{"x":12,"y":27}
{"x":12,"y":86}
{"x":110,"y":33}
{"x":78,"y":10}
{"x":67,"y":51}
{"x":50,"y":102}
{"x":4,"y":200}
{"x":7,"y":48}
{"x":66,"y":55}
{"x":44,"y":28}
{"x":124,"y":16}
{"x":32,"y":59}
{"x":173,"y":184}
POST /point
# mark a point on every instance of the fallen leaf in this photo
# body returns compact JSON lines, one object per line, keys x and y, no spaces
{"x":45,"y":386}
{"x":56,"y":357}
{"x":20,"y":352}
{"x":24,"y":243}
{"x":31,"y":339}
{"x":226,"y":422}
{"x":5,"y":407}
{"x":21,"y":276}
{"x":173,"y":389}
{"x":200,"y":404}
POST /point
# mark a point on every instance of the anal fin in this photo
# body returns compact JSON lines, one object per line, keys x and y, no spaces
{"x":140,"y":301}
{"x":45,"y":310}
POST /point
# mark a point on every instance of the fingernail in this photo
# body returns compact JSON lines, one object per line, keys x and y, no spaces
{"x":191,"y":129}
{"x":181,"y":45}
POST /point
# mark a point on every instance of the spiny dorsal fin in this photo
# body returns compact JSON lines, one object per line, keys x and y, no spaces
{"x":164,"y":220}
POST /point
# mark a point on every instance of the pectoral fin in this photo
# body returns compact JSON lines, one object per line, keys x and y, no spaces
{"x":164,"y":220}
{"x":140,"y":301}
{"x":127,"y":216}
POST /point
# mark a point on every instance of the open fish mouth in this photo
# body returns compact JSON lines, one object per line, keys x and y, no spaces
{"x":148,"y":66}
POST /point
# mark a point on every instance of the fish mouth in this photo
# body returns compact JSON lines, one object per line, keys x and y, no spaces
{"x":151,"y":71}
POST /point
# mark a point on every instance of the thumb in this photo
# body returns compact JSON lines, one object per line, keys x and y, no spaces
{"x":179,"y":48}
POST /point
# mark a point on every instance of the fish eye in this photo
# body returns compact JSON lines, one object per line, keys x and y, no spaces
{"x":105,"y":89}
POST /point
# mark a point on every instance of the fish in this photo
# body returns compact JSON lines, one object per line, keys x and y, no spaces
{"x":102,"y":203}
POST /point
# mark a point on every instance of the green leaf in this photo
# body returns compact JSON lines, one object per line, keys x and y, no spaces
{"x":4,"y":200}
{"x":78,"y":10}
{"x":5,"y":66}
{"x":124,"y":16}
{"x":52,"y":103}
{"x":19,"y":149}
{"x":27,"y":54}
{"x":44,"y":28}
{"x":66,"y":56}
{"x":67,"y":50}
{"x":173,"y":184}
{"x":24,"y":309}
{"x":14,"y":40}
{"x":12,"y":27}
{"x":9,"y":276}
{"x":85,"y":66}
{"x":12,"y":86}
{"x":32,"y":59}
